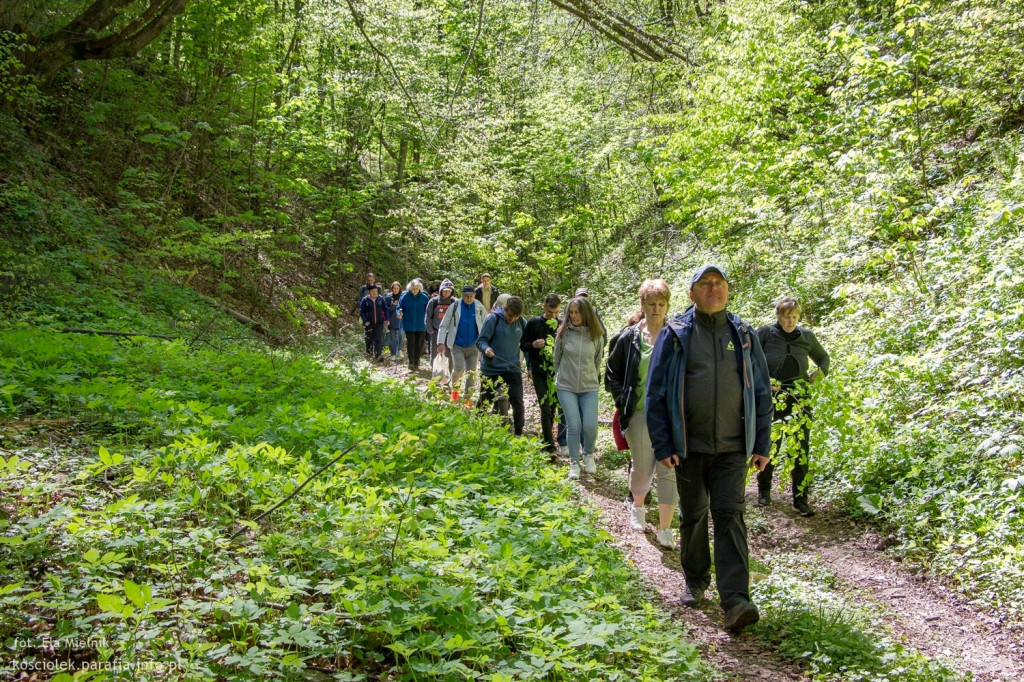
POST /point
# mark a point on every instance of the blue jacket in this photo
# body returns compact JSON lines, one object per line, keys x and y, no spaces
{"x":502,"y":338}
{"x":366,"y":311}
{"x":666,"y":379}
{"x":414,"y":311}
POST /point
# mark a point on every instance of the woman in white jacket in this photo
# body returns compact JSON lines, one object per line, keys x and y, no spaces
{"x":579,"y":348}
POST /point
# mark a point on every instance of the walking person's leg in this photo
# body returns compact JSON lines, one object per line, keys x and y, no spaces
{"x":378,"y":341}
{"x":514,"y":381}
{"x":694,"y":551}
{"x":574,"y":423}
{"x":727,"y":477}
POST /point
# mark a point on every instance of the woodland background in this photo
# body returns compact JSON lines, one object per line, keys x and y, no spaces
{"x":163,"y":159}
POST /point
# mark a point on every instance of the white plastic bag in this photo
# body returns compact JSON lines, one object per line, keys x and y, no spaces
{"x":439,"y":370}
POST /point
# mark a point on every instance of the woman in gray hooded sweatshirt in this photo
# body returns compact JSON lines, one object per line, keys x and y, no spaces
{"x":579,"y":348}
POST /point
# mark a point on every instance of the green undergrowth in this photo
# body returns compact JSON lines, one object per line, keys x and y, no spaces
{"x":436,"y":547}
{"x":805,"y":618}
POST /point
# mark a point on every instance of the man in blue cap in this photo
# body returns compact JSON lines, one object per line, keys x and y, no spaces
{"x":709,"y":413}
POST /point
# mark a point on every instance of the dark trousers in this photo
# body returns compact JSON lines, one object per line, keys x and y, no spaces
{"x":512,"y":384}
{"x":374,"y":334}
{"x":547,"y":407}
{"x":793,"y":409}
{"x":714,"y":483}
{"x":414,"y":347}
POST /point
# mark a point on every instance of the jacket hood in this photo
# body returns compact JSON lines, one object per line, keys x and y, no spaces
{"x":446,"y":284}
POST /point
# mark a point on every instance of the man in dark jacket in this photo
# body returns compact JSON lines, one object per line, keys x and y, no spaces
{"x":374,"y":315}
{"x":709,"y":412}
{"x":487,"y":294}
{"x":537,"y":349}
{"x":499,"y":342}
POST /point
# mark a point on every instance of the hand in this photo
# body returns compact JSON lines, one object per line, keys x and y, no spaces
{"x":759,"y":462}
{"x":366,"y":324}
{"x":776,"y":389}
{"x":815,"y":375}
{"x":540,"y":343}
{"x":672,"y":461}
{"x":489,"y":353}
{"x":441,"y":349}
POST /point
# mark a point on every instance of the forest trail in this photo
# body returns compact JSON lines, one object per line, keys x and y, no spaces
{"x":921,"y":613}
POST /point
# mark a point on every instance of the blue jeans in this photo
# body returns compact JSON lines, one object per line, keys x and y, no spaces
{"x":580,"y":416}
{"x":394,"y":337}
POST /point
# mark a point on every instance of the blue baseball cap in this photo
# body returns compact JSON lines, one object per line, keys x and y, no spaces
{"x":704,"y":269}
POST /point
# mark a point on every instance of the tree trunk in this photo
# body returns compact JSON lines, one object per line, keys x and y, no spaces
{"x":53,"y":52}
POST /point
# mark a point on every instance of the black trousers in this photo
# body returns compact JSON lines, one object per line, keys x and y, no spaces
{"x":715,"y":484}
{"x":547,"y":407}
{"x":374,"y":334}
{"x":512,"y":383}
{"x":794,"y":409}
{"x":414,"y":347}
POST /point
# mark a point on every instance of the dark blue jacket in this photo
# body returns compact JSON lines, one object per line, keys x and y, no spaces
{"x":414,"y":311}
{"x":366,"y":312}
{"x":666,"y":386}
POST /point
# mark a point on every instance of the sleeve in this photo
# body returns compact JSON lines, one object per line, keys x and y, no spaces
{"x":762,"y":334}
{"x":529,"y":336}
{"x":599,"y":355}
{"x":402,"y":298}
{"x":763,"y":402}
{"x":428,"y":312}
{"x":483,"y":342}
{"x":656,"y":402}
{"x":818,"y":353}
{"x":445,"y":329}
{"x":557,"y":354}
{"x":615,"y":368}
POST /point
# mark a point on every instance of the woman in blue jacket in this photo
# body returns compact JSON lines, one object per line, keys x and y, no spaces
{"x":412,"y":311}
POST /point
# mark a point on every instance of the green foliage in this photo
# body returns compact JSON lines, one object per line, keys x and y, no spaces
{"x":806,"y":620}
{"x":435,"y":549}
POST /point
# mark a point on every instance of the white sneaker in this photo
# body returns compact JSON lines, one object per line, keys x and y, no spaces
{"x":637,"y":520}
{"x":665,"y":539}
{"x":574,"y":471}
{"x":589,"y":465}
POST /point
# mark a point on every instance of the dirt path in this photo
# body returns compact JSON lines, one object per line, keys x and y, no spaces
{"x":922,"y":614}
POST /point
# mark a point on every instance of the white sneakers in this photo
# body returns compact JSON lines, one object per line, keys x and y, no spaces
{"x":589,"y":464}
{"x":574,"y":471}
{"x":636,"y":518}
{"x":665,"y":539}
{"x":638,"y":522}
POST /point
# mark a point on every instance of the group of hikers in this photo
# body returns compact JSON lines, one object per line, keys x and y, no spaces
{"x":695,"y":395}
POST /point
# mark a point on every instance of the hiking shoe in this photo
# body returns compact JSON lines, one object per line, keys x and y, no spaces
{"x":589,"y":464}
{"x":764,"y":499}
{"x":804,"y":508}
{"x":665,"y":539}
{"x":637,"y":520}
{"x":740,"y":616}
{"x":574,"y":471}
{"x":692,"y":598}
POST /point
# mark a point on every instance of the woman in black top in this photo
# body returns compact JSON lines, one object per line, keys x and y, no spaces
{"x":787,"y":348}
